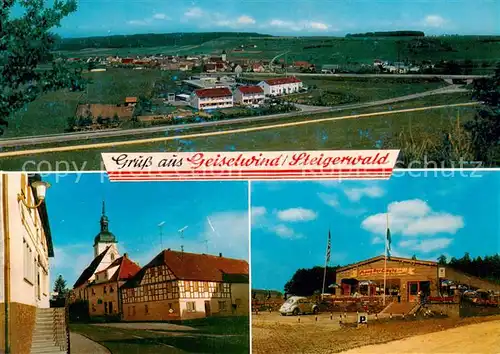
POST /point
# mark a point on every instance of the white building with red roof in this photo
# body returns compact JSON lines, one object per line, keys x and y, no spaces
{"x":249,"y":95}
{"x":281,"y":86}
{"x":213,"y":98}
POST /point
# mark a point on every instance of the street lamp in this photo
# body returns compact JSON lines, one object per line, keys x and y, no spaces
{"x":41,"y":190}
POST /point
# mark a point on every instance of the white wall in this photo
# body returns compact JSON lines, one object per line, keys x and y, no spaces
{"x":25,"y":228}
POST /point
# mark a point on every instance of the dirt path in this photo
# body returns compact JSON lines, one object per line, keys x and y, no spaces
{"x":481,"y":338}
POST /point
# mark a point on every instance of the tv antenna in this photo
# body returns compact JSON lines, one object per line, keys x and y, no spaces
{"x":181,"y":232}
{"x":160,"y":226}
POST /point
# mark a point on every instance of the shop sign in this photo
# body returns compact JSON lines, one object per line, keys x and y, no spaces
{"x":388,"y":271}
{"x":442,"y":272}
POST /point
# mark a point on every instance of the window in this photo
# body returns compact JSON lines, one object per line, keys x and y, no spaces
{"x":112,"y":257}
{"x":105,"y":307}
{"x":146,"y":310}
{"x":105,"y":290}
{"x":93,"y":308}
{"x":93,"y":291}
{"x":28,"y":263}
{"x":111,"y":290}
{"x":238,"y":302}
{"x":191,"y":306}
{"x":133,"y":310}
{"x":222,"y":306}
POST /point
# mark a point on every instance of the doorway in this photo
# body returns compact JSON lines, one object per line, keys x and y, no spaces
{"x":208,"y":310}
{"x":413,"y":289}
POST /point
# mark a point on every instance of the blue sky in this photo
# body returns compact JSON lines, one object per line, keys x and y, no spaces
{"x":429,"y":216}
{"x":282,"y":17}
{"x":135,"y":210}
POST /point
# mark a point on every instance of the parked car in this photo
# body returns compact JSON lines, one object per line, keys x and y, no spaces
{"x":297,"y":305}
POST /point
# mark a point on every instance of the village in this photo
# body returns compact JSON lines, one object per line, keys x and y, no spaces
{"x":214,"y":87}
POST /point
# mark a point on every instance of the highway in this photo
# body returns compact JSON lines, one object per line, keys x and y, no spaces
{"x":378,"y":76}
{"x":305,"y":110}
{"x":218,"y":133}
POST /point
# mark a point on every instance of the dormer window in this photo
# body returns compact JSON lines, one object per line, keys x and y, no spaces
{"x":112,"y":257}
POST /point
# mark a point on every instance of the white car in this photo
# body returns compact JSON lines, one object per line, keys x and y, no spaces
{"x":296,"y":305}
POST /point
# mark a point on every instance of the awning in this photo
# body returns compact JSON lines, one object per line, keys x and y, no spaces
{"x":367,"y":282}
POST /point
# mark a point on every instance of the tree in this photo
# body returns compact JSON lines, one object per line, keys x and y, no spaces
{"x":305,"y":282}
{"x":26,"y":42}
{"x":442,"y":260}
{"x":60,"y":287}
{"x":414,"y":257}
{"x":485,"y":127}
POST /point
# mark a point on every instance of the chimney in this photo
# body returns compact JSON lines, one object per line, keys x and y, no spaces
{"x":125,"y":255}
{"x":220,"y":254}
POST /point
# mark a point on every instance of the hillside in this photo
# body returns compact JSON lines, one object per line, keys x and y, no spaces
{"x":147,"y":40}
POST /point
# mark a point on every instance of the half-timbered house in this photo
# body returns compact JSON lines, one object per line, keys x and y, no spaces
{"x":179,"y":285}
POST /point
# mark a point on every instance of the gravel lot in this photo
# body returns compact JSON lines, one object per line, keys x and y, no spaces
{"x":272,"y":333}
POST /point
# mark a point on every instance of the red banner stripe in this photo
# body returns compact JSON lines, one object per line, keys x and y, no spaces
{"x":273,"y":171}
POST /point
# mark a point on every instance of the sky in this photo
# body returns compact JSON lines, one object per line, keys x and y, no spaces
{"x":429,"y":215}
{"x":282,"y":17}
{"x":135,"y":210}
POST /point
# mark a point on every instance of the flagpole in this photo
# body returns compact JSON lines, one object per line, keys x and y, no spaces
{"x":326,"y":264}
{"x":385,"y":257}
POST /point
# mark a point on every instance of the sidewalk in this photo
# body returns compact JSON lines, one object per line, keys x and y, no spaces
{"x":82,"y":345}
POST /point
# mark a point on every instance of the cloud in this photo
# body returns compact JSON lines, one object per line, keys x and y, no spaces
{"x":297,"y":214}
{"x":355,"y":194}
{"x":312,"y":26}
{"x":426,"y":246}
{"x":149,"y":20}
{"x":246,"y":20}
{"x":329,"y":199}
{"x":194,"y":12}
{"x":216,"y":19}
{"x":284,"y":231}
{"x":412,"y":218}
{"x":434,"y":21}
{"x":258,"y":211}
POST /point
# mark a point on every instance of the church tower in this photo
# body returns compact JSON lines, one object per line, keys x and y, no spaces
{"x":105,"y":239}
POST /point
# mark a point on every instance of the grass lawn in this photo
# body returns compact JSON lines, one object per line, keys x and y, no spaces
{"x":358,"y":133}
{"x":49,"y":113}
{"x":212,"y":335}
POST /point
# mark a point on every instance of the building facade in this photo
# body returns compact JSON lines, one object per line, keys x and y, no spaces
{"x":104,"y":291}
{"x":179,"y":285}
{"x":404,"y":277}
{"x":281,"y":86}
{"x":213,"y":98}
{"x":105,"y":253}
{"x":26,"y":247}
{"x":249,"y":95}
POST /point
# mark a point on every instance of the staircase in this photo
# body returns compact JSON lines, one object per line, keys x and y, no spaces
{"x":400,"y":308}
{"x":50,"y":334}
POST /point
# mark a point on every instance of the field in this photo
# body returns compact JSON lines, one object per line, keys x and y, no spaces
{"x":331,"y":91}
{"x":272,"y":333}
{"x":214,"y":335}
{"x":357,"y":133}
{"x":49,"y":113}
{"x":483,"y":51}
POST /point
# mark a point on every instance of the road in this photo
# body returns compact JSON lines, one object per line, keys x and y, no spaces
{"x":382,"y":76}
{"x":305,"y":110}
{"x":481,"y":338}
{"x":217,"y":133}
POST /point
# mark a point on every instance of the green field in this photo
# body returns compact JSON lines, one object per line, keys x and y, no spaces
{"x":213,"y":335}
{"x":49,"y":113}
{"x":331,"y":91}
{"x":358,"y":133}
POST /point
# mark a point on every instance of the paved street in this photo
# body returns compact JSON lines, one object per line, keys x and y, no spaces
{"x":82,"y":345}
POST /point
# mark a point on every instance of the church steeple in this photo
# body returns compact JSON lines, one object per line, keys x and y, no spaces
{"x":104,"y":237}
{"x":104,"y":219}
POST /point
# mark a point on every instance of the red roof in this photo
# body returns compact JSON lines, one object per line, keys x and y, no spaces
{"x":213,"y":92}
{"x":250,"y":89}
{"x":193,"y":266}
{"x":126,"y":270}
{"x":282,"y":80}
